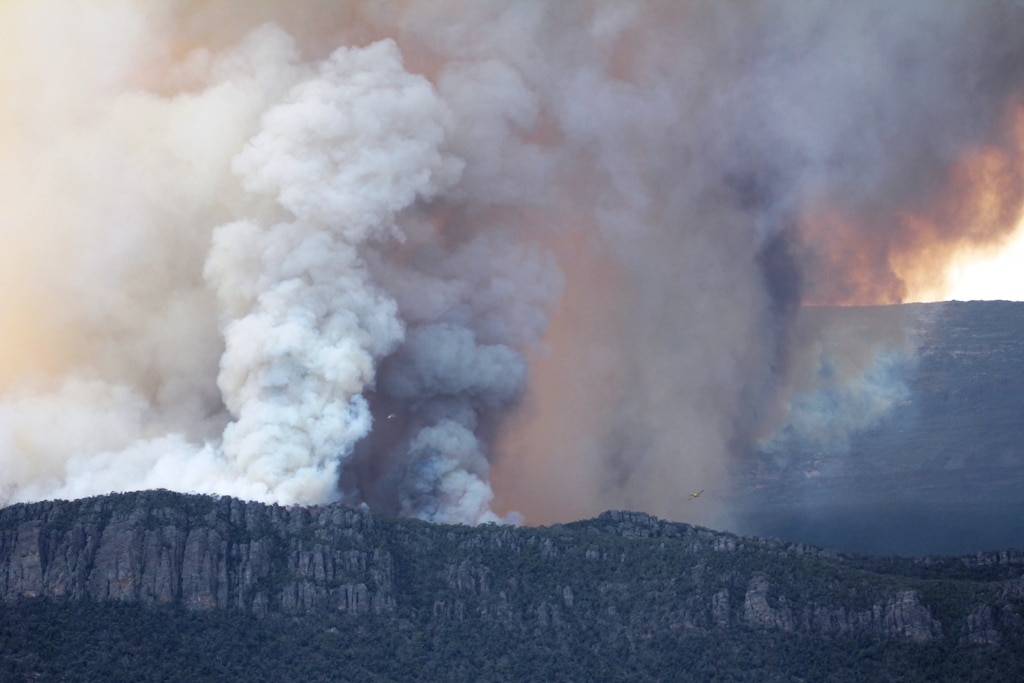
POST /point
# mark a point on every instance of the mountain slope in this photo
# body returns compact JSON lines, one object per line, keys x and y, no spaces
{"x":941,"y":471}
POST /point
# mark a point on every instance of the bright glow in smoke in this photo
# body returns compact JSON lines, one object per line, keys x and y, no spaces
{"x":454,"y":260}
{"x":998,"y":276}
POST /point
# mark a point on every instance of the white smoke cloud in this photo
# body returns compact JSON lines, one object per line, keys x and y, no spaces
{"x":347,"y":149}
{"x":312,"y":164}
{"x":456,"y":259}
{"x":353,"y":142}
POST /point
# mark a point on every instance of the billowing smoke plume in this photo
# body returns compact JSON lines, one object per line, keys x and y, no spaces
{"x":459,"y":260}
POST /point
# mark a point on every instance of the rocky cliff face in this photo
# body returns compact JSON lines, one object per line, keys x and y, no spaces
{"x":159,"y":547}
{"x":626,"y":574}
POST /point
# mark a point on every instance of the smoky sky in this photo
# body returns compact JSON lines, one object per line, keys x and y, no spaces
{"x":473,"y":261}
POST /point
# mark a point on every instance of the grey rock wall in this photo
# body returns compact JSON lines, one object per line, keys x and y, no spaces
{"x":221,"y":553}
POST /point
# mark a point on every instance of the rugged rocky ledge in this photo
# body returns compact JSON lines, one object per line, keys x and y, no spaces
{"x":626,"y":574}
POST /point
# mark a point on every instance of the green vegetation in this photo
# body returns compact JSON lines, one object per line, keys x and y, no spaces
{"x":42,"y":640}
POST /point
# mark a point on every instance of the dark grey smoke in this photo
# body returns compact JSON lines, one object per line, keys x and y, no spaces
{"x":437,"y":403}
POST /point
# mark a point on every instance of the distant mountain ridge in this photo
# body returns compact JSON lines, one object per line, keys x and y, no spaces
{"x":624,"y":573}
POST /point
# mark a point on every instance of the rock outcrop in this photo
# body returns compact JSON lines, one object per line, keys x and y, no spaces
{"x":201,"y":552}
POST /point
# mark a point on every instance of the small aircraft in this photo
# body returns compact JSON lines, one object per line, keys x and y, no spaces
{"x":391,"y":416}
{"x":695,"y":494}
